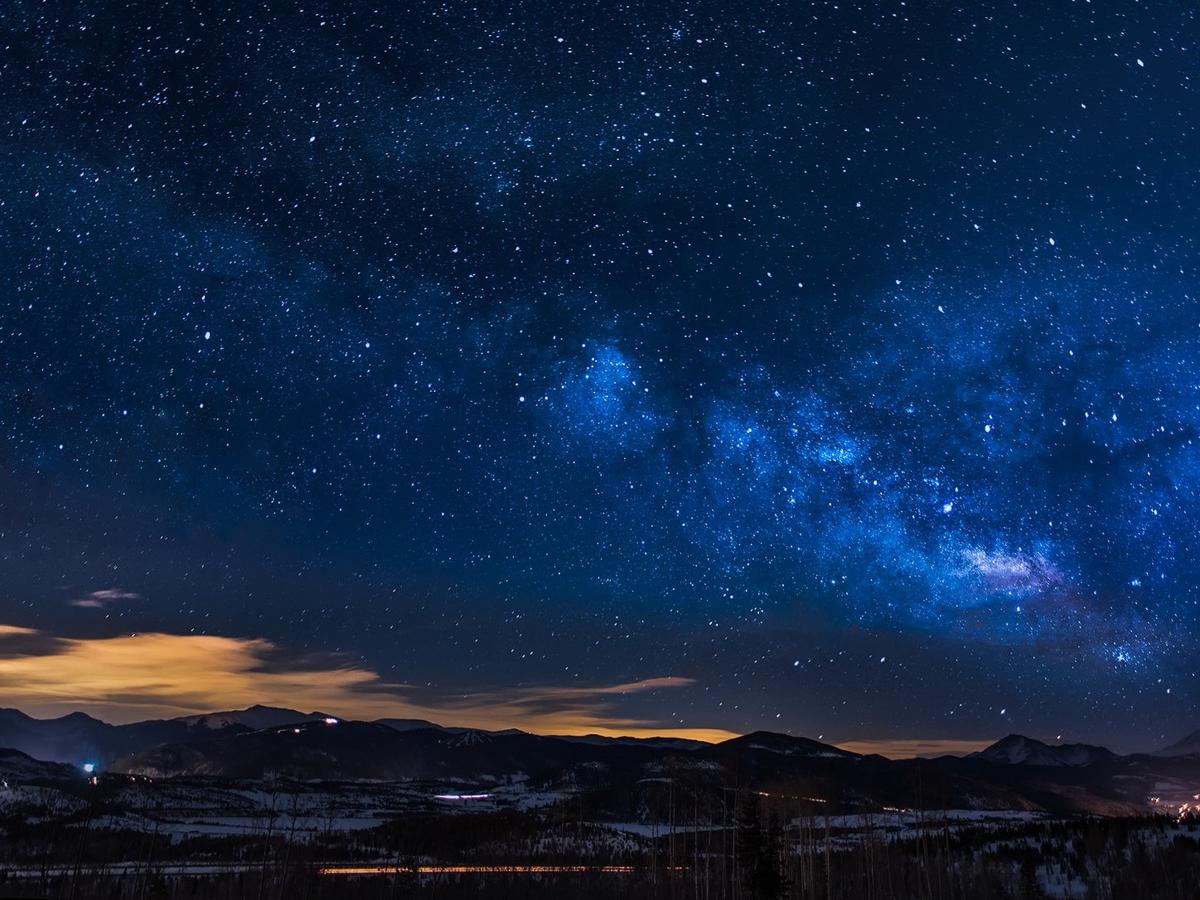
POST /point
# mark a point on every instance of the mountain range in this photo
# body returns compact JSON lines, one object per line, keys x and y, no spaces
{"x":78,"y":738}
{"x":266,"y":743}
{"x":1183,"y":747}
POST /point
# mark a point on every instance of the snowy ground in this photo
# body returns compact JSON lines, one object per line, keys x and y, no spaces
{"x":185,"y":809}
{"x":849,"y":829}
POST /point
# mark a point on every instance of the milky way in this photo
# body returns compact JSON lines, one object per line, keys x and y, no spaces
{"x":842,"y":359}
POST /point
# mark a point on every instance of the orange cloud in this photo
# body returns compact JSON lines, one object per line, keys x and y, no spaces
{"x":908,"y":748}
{"x":138,"y":676}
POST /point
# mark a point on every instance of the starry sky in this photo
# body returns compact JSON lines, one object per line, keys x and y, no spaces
{"x":645,"y":367}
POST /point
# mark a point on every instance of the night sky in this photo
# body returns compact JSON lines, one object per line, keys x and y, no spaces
{"x":829,"y":368}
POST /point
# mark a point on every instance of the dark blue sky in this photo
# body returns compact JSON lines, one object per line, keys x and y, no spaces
{"x":842,"y":358}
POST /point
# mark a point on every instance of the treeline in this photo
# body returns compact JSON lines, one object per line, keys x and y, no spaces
{"x":722,"y":844}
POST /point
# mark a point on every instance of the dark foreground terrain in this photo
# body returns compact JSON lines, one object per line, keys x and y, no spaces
{"x":272,"y":804}
{"x":765,"y":851}
{"x":671,"y":836}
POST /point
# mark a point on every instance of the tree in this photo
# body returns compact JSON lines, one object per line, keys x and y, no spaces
{"x":760,"y":851}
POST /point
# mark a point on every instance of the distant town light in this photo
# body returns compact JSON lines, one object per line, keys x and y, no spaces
{"x":330,"y":720}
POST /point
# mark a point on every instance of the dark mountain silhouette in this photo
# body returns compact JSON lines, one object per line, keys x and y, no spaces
{"x":664,"y":742}
{"x":254,"y":717}
{"x":1183,"y":747}
{"x":18,"y":766}
{"x":1079,"y":777}
{"x":372,"y":750}
{"x":78,"y":738}
{"x":263,"y":743}
{"x":1016,"y":773}
{"x":1016,"y":749}
{"x":783,"y":745}
{"x":408,"y":724}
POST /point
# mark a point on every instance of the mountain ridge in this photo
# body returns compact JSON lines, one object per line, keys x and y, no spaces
{"x":1018,"y":749}
{"x":1015,"y":772}
{"x":1187,"y":745}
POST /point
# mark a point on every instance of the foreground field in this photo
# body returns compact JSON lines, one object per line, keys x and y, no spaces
{"x":127,"y":837}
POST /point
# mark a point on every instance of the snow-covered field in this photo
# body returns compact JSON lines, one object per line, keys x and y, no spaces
{"x":848,"y":829}
{"x":185,"y":809}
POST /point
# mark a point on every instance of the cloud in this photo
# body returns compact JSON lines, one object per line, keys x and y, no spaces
{"x":582,"y":709}
{"x":137,"y":676}
{"x":15,"y":631}
{"x":104,"y":599}
{"x":905,"y":748}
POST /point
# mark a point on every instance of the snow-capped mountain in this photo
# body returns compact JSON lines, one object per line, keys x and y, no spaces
{"x":254,"y":717}
{"x":1017,"y":749}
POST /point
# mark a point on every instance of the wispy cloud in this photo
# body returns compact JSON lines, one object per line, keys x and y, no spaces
{"x":136,"y":676}
{"x":104,"y":599}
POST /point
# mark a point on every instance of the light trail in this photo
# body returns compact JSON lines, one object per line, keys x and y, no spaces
{"x":480,"y":870}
